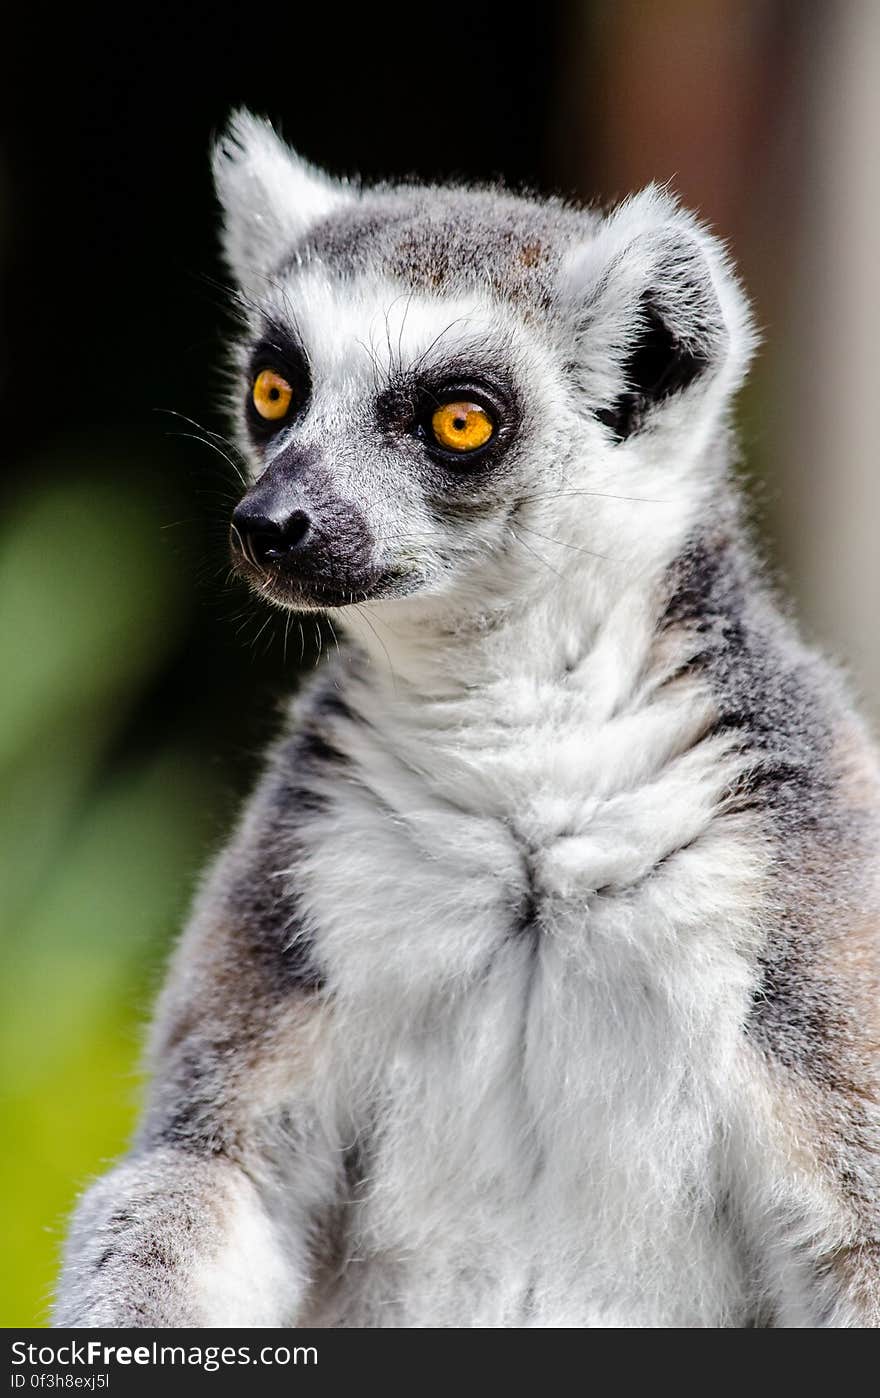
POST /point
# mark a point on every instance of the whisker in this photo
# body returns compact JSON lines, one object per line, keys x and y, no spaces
{"x":406,"y":311}
{"x":535,"y":554}
{"x":364,"y":612}
{"x":374,"y":360}
{"x":417,"y":364}
{"x":208,"y":439}
{"x":592,"y":494}
{"x":334,"y":635}
{"x":562,"y":543}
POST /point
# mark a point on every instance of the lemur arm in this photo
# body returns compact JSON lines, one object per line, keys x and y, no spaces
{"x":208,"y":1221}
{"x":838,"y":1287}
{"x":170,"y":1239}
{"x":808,"y":1193}
{"x":821,"y":1256}
{"x":819,"y":1262}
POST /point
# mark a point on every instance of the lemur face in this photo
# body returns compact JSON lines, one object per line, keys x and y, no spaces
{"x":434,"y":384}
{"x":392,"y":435}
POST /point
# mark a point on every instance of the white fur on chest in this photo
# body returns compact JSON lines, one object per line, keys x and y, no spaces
{"x":534,"y":934}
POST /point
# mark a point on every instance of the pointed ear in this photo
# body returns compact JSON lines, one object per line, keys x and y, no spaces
{"x":657,"y":314}
{"x":270,"y":197}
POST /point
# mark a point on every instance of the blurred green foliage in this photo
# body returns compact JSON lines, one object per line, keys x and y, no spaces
{"x":98,"y":845}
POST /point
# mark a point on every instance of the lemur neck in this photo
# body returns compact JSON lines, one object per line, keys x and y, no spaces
{"x":593,"y":624}
{"x":575,"y":619}
{"x":546,"y":608}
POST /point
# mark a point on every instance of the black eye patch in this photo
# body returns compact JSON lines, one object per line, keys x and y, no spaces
{"x":282,"y":352}
{"x":407,"y":405}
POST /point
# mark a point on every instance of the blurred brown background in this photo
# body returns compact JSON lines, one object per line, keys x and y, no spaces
{"x":137,"y":686}
{"x":765,"y":116}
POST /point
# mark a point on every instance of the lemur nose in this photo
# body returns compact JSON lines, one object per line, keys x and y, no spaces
{"x":268,"y":542}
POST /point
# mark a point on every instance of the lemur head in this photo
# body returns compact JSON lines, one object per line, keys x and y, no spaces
{"x":438,"y":386}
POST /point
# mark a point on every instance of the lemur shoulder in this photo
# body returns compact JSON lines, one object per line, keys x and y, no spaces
{"x":538,"y":985}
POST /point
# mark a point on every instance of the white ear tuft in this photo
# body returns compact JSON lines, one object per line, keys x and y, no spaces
{"x":270,"y":197}
{"x":656,"y":308}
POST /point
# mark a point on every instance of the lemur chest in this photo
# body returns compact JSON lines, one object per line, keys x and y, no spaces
{"x":536,"y":1004}
{"x":561,"y":924}
{"x":567,"y":847}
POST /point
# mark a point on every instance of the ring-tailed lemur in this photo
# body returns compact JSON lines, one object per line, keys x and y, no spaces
{"x":538,"y":985}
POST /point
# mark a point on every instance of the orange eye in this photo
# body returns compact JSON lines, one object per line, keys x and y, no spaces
{"x":272,"y":395}
{"x":462,"y":426}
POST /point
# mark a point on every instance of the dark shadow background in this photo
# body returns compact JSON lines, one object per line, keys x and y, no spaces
{"x":137,"y":684}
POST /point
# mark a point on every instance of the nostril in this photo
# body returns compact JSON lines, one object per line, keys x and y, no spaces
{"x":295,"y":530}
{"x":267,"y":547}
{"x":269,"y":541}
{"x":278,"y":543}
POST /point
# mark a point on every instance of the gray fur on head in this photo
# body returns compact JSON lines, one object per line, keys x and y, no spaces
{"x":538,"y":985}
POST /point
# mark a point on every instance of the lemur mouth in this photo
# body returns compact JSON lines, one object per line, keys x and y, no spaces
{"x":276,"y":579}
